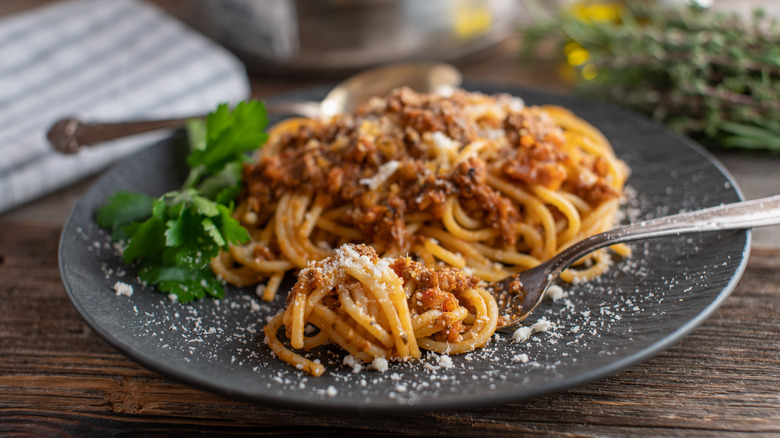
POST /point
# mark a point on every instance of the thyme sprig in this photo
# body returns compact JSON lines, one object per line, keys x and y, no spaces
{"x":713,"y":76}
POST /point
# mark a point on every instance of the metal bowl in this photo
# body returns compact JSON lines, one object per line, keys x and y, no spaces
{"x":319,"y":36}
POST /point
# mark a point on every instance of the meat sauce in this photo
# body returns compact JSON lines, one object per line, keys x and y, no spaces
{"x":334,"y":160}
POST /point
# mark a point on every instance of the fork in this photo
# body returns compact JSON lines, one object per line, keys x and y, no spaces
{"x":518,"y":295}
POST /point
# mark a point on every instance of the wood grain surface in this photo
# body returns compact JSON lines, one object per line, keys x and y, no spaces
{"x":57,"y":378}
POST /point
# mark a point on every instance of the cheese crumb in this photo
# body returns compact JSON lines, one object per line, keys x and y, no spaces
{"x":516,"y":104}
{"x":123,"y":289}
{"x":383,"y":173}
{"x":444,"y":143}
{"x":379,"y":364}
{"x":445,"y":362}
{"x":542,"y":325}
{"x":554,"y":292}
{"x":352,"y":362}
{"x":522,"y":358}
{"x":522,"y":334}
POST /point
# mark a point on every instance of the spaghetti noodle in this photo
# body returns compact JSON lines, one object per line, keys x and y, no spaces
{"x":381,"y":308}
{"x":471,"y":181}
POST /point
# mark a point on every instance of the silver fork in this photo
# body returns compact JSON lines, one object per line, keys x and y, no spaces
{"x":70,"y":134}
{"x":517,"y":296}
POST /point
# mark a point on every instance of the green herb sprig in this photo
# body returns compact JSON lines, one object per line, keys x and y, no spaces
{"x":174,"y":237}
{"x":712,"y":76}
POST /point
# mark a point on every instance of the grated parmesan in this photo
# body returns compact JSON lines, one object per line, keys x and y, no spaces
{"x":554,"y":292}
{"x":123,"y":289}
{"x":383,"y":173}
{"x":380,"y":364}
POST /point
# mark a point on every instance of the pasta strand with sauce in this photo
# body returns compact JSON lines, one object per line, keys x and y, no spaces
{"x":381,"y":308}
{"x":476,"y":182}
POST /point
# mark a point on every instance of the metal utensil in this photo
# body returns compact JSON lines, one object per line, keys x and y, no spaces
{"x":70,"y":134}
{"x":518,"y":295}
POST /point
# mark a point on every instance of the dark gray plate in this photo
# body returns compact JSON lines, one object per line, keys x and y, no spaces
{"x":643,"y":305}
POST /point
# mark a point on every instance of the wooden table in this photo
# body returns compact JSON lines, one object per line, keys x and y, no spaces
{"x":57,"y":378}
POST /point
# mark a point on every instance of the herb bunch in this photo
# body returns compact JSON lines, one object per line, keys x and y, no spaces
{"x":712,"y":76}
{"x":174,"y":237}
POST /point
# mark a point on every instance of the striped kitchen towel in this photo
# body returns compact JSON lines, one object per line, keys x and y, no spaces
{"x":99,"y":60}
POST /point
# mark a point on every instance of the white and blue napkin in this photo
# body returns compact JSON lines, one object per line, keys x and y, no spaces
{"x":100,"y":61}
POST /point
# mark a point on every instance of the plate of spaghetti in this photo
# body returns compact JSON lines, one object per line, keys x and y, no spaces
{"x":375,"y":234}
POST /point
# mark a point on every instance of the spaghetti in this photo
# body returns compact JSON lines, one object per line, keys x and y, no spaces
{"x":381,"y":308}
{"x":471,"y":181}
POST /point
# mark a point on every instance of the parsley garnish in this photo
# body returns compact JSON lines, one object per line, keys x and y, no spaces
{"x":174,"y":237}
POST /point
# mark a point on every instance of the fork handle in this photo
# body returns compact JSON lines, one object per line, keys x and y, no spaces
{"x":736,"y":216}
{"x":69,"y":135}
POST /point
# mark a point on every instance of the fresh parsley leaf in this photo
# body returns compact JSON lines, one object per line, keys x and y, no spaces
{"x":213,"y":232}
{"x":230,"y":136}
{"x":187,"y":285}
{"x":146,"y":239}
{"x":122,"y":209}
{"x":174,"y":238}
{"x":230,"y":228}
{"x":196,"y":133}
{"x":204,"y":206}
{"x":224,"y":186}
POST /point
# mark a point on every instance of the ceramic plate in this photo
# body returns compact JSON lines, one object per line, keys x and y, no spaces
{"x":640,"y":307}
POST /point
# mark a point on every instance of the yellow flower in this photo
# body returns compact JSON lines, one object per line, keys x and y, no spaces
{"x":589,"y":12}
{"x":594,"y":11}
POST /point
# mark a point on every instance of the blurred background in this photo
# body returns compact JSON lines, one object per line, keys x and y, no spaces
{"x":584,"y":46}
{"x":321,"y":36}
